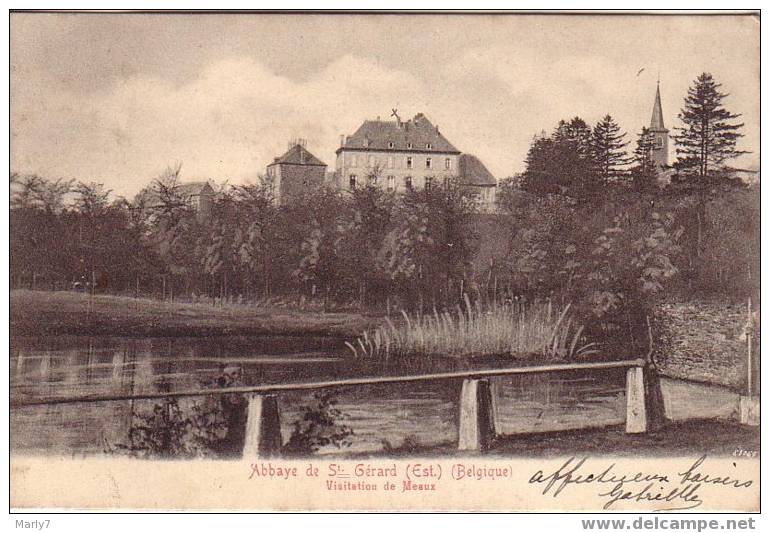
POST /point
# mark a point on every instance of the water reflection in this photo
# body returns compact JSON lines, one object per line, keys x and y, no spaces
{"x":422,"y":413}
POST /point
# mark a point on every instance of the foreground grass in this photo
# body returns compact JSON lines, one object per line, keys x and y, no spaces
{"x":45,"y":313}
{"x":470,"y":330}
{"x":687,"y":438}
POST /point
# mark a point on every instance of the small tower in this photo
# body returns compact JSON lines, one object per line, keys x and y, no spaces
{"x":295,"y":172}
{"x":659,"y":134}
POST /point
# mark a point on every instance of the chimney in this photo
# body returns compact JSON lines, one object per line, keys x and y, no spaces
{"x":437,"y":128}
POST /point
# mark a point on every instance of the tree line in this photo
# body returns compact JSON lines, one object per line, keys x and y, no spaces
{"x":592,"y":223}
{"x":366,"y":245}
{"x":587,"y":222}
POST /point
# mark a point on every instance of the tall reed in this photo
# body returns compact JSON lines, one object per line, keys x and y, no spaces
{"x":517,"y":330}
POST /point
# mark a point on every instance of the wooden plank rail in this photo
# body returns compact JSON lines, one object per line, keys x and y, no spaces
{"x":350,"y":382}
{"x":259,"y":433}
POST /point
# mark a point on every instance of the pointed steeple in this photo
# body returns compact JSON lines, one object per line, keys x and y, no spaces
{"x":659,"y":134}
{"x":656,"y":122}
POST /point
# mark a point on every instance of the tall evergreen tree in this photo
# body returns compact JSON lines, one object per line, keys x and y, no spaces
{"x":608,"y":148}
{"x":562,"y":163}
{"x":538,"y":176}
{"x":575,"y":132}
{"x":643,"y":172}
{"x":709,"y":136}
{"x":575,"y":159}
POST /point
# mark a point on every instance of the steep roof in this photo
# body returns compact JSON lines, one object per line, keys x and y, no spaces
{"x":194,"y":188}
{"x":656,"y":122}
{"x":150,"y":196}
{"x":413,"y":135}
{"x":298,"y":155}
{"x":473,"y":172}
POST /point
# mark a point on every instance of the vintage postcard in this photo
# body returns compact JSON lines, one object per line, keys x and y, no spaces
{"x":455,"y":261}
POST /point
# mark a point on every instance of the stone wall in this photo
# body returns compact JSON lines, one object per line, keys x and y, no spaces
{"x":704,"y":341}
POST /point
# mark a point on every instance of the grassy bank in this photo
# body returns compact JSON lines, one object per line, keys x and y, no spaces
{"x":47,"y":313}
{"x":689,"y":438}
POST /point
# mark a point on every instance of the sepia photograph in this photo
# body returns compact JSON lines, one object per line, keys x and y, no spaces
{"x":384,"y":261}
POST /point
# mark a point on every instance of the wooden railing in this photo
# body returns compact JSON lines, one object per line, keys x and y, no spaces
{"x":262,"y":432}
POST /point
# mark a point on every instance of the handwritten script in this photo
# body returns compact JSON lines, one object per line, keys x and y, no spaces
{"x":673,"y":492}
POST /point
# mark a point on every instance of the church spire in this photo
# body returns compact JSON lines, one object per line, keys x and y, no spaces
{"x":659,"y":134}
{"x":656,"y":123}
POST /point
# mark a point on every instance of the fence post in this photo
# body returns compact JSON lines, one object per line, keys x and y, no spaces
{"x":263,"y":427}
{"x":748,"y":403}
{"x":636,"y":413}
{"x":476,"y":427}
{"x":645,"y":410}
{"x":748,"y":407}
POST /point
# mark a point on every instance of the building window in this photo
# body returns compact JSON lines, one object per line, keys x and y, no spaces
{"x":353,"y":160}
{"x":373,"y":178}
{"x":391,"y":182}
{"x":390,"y":144}
{"x":448,"y":163}
{"x":371,"y":160}
{"x":409,"y":145}
{"x":408,"y":183}
{"x":428,"y":182}
{"x":429,"y":146}
{"x":446,"y":182}
{"x":352,"y":181}
{"x":409,"y":162}
{"x":428,"y":162}
{"x":391,"y":162}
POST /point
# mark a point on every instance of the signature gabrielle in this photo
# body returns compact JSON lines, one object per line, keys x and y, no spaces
{"x":680,"y":490}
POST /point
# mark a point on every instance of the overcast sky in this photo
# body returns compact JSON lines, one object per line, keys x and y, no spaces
{"x":116,"y":98}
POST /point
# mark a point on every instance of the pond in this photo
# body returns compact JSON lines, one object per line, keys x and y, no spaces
{"x":381,"y":417}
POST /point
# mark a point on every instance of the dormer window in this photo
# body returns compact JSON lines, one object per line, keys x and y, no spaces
{"x":429,"y":146}
{"x":390,"y":144}
{"x":409,"y":145}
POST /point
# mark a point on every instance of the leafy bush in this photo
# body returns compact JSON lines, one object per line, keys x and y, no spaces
{"x":318,"y":427}
{"x":167,"y":431}
{"x":206,"y":428}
